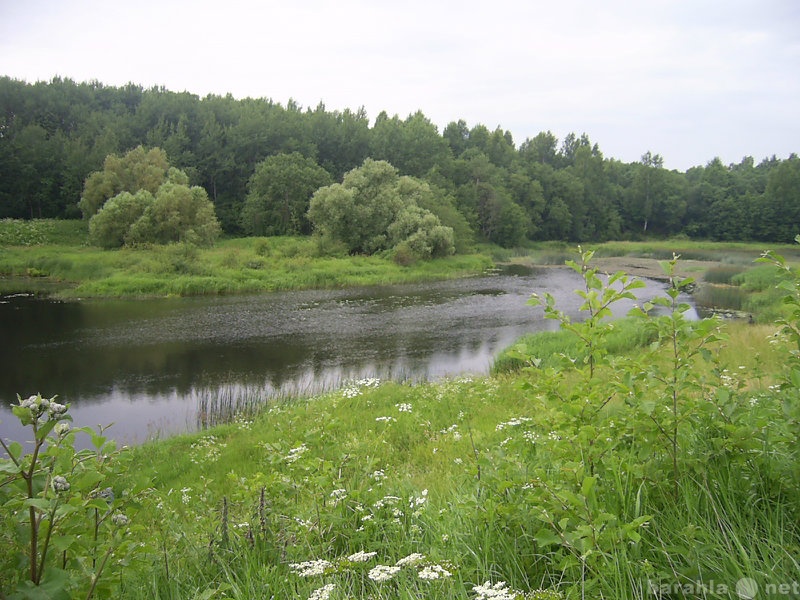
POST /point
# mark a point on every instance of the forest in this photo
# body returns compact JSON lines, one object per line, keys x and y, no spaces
{"x":54,"y":134}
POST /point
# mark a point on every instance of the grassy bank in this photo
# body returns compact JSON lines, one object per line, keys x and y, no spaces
{"x":54,"y":252}
{"x":669,"y":469}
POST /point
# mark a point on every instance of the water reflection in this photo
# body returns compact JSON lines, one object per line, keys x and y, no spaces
{"x":142,"y":364}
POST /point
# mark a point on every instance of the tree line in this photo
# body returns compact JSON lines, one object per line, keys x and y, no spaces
{"x":260,"y":163}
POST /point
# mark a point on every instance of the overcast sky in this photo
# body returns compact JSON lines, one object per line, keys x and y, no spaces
{"x":688,"y":79}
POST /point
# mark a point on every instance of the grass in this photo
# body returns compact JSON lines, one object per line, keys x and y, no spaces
{"x":232,"y":266}
{"x":548,"y":478}
{"x":444,"y":470}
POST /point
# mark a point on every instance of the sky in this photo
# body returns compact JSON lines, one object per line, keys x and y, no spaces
{"x":690,"y":80}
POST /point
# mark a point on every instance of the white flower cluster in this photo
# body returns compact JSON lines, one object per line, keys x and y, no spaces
{"x":354,"y":389}
{"x":205,"y":450}
{"x":433,"y":571}
{"x":338,"y":495}
{"x":40,"y":406}
{"x":361,"y":556}
{"x":515,"y":422}
{"x":418,"y":501}
{"x":385,"y":419}
{"x":403,"y":407}
{"x":295,"y":453}
{"x":497,"y":591}
{"x":309,"y":568}
{"x":382,"y":573}
{"x":323,"y":593}
{"x":119,"y":519}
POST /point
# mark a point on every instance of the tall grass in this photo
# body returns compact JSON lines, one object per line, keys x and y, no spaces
{"x":233,"y":266}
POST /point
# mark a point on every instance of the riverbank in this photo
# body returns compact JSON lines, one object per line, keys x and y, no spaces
{"x":550,"y":483}
{"x":53,"y":256}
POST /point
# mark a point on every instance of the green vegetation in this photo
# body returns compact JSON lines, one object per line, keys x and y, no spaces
{"x":55,"y":134}
{"x":374,"y":209}
{"x":232,"y":266}
{"x":670,"y":470}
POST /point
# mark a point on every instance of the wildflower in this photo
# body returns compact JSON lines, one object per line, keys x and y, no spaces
{"x":361,"y":556}
{"x":420,"y":500}
{"x":382,"y":573}
{"x":403,"y":407}
{"x":512,"y":423}
{"x":56,"y":410}
{"x":378,"y":475}
{"x":60,"y":484}
{"x":385,"y":419}
{"x":310,"y":568}
{"x":533,"y":437}
{"x":61,"y":429}
{"x":410,"y":560}
{"x":119,"y":519}
{"x":434,"y":572}
{"x":295,"y":453}
{"x":323,"y":593}
{"x":338,"y":495}
{"x":498,"y":591}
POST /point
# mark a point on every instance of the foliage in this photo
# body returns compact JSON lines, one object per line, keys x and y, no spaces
{"x":68,"y":526}
{"x":557,"y":482}
{"x":278,"y":195}
{"x":176,"y":213}
{"x":56,"y":134}
{"x":139,"y":169}
{"x":374,"y":209}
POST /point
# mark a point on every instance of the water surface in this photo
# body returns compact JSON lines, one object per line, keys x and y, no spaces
{"x":144,"y":364}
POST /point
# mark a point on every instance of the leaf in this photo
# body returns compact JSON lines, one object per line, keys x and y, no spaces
{"x":546,"y":537}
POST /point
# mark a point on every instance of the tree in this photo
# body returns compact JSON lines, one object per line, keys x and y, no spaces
{"x":139,"y":169}
{"x":279,"y":193}
{"x":176,"y":212}
{"x":374,"y":209}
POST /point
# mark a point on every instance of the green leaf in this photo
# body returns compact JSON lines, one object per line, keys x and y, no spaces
{"x":546,"y":537}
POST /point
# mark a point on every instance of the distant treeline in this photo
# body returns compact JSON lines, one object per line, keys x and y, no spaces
{"x":54,"y":134}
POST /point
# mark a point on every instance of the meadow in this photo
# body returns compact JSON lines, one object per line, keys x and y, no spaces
{"x":594,"y":463}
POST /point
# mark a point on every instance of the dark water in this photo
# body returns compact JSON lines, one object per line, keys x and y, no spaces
{"x":143,"y":364}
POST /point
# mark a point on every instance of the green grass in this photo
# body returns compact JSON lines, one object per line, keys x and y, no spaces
{"x":232,"y":266}
{"x":557,"y":477}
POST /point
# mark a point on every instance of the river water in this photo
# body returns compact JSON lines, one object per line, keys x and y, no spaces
{"x":146,"y":365}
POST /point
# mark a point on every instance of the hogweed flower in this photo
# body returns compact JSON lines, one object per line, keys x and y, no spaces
{"x":309,"y":568}
{"x":382,"y":573}
{"x":410,"y":560}
{"x":323,"y":593}
{"x":434,"y":571}
{"x":361,"y":556}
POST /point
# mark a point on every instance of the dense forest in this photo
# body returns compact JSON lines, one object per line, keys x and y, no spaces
{"x":54,"y":134}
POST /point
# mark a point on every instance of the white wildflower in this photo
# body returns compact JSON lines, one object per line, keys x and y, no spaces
{"x":361,"y":556}
{"x":498,"y":591}
{"x":382,"y":573}
{"x":310,"y":568}
{"x":295,"y":453}
{"x":323,"y":593}
{"x":410,"y":560}
{"x":119,"y":519}
{"x":385,"y":419}
{"x":434,"y":572}
{"x":403,"y":407}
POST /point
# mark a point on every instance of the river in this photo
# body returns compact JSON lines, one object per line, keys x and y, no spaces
{"x":150,"y":366}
